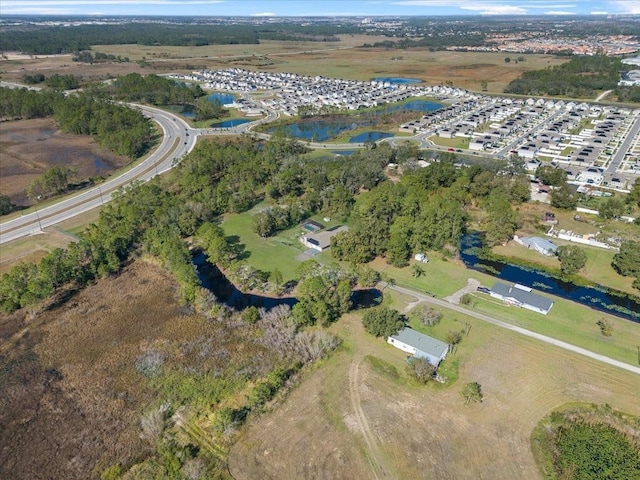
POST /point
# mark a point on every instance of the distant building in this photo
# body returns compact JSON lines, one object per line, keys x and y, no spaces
{"x":540,"y":245}
{"x":420,"y":345}
{"x":521,"y":296}
{"x":321,"y":240}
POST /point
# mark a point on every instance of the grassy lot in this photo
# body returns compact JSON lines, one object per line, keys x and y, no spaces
{"x":440,"y":277}
{"x":597,"y":270}
{"x":572,"y":323}
{"x":456,"y":142}
{"x":279,"y":251}
{"x":360,"y":409}
{"x":463,"y":69}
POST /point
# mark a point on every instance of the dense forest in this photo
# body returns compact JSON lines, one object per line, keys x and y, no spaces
{"x":428,"y":205}
{"x":151,"y":89}
{"x":122,"y":130}
{"x":585,"y":442}
{"x":581,"y":77}
{"x":72,"y":39}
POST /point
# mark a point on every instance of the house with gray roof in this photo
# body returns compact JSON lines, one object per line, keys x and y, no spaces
{"x":540,"y":245}
{"x":419,"y":345}
{"x":321,"y":240}
{"x":521,"y":296}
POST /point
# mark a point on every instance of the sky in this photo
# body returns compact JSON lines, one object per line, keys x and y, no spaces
{"x":281,"y":8}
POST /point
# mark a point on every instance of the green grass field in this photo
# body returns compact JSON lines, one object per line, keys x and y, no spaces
{"x":279,"y":251}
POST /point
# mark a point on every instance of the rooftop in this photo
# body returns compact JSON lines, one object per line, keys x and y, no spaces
{"x":421,"y":342}
{"x":522,"y":296}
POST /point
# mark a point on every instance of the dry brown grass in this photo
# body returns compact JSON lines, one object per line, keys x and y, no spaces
{"x":427,"y":432}
{"x":343,"y":59}
{"x":30,"y":147}
{"x":70,"y":398}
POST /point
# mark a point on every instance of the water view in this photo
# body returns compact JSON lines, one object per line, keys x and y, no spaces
{"x":596,"y":297}
{"x":369,"y":137}
{"x":322,"y":130}
{"x":230,"y":123}
{"x":398,"y":80}
{"x":223,"y":98}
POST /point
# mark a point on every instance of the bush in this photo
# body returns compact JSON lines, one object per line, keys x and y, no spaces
{"x":383,"y":321}
{"x":421,"y":370}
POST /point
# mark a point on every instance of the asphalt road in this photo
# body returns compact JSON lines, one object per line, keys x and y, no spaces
{"x":178,"y":139}
{"x":514,"y":328}
{"x":623,"y":149}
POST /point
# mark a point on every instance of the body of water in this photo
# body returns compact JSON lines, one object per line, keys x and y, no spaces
{"x":230,"y":123}
{"x":223,"y":98}
{"x":369,"y":137}
{"x":320,"y":130}
{"x":597,"y":297}
{"x":414,"y":106}
{"x":226,"y":292}
{"x":398,"y":80}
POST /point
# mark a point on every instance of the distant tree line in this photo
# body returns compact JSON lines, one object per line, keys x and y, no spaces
{"x":581,"y":77}
{"x":86,"y":56}
{"x":122,"y":130}
{"x":74,"y":39}
{"x":435,"y":42}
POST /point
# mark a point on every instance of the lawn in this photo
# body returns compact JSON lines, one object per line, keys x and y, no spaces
{"x":360,"y":413}
{"x":440,"y":277}
{"x":279,"y":251}
{"x":456,"y":142}
{"x":567,"y":321}
{"x":572,"y":323}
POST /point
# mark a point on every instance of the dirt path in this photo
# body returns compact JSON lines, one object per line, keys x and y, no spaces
{"x":374,"y":452}
{"x":471,"y":286}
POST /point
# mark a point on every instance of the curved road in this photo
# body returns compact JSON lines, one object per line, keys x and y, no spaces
{"x":514,"y":328}
{"x":178,"y":139}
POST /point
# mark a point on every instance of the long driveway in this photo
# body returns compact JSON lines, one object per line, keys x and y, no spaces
{"x":514,"y":328}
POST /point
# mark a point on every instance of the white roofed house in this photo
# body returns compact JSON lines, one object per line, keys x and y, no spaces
{"x":420,"y":345}
{"x":521,"y":296}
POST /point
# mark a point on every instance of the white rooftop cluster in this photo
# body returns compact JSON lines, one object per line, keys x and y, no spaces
{"x":293,"y":91}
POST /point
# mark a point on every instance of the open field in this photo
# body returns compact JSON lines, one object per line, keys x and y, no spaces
{"x":342,"y":59}
{"x":70,"y":398}
{"x":270,"y":253}
{"x":349,"y":420}
{"x":30,"y":147}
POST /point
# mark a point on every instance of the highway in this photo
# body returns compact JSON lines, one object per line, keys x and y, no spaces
{"x":178,"y":139}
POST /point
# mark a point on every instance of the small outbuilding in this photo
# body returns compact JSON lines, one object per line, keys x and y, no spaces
{"x":421,"y":257}
{"x":420,"y":345}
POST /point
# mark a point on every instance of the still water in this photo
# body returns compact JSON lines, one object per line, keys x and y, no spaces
{"x":595,"y":296}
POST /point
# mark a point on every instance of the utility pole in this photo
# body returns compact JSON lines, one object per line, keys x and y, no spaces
{"x":38,"y":217}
